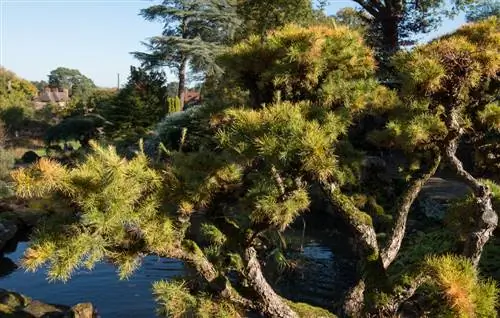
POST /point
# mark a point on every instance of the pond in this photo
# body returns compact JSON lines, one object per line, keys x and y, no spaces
{"x":101,"y":286}
{"x":326,"y":277}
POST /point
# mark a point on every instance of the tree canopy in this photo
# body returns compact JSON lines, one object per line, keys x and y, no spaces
{"x":193,"y":33}
{"x":78,"y":84}
{"x":15,"y":91}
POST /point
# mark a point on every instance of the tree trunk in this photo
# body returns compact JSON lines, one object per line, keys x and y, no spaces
{"x":485,"y":217}
{"x":182,"y":82}
{"x":390,"y":34}
{"x":372,"y":273}
{"x":354,"y":302}
{"x":403,"y":205}
{"x":270,"y":303}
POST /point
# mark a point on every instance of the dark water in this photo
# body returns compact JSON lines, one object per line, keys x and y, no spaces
{"x":112,"y":297}
{"x":324,"y":276}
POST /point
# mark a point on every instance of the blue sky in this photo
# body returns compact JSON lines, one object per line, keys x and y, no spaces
{"x":93,"y":36}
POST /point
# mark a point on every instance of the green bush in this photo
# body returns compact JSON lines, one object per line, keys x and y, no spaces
{"x":15,"y":116}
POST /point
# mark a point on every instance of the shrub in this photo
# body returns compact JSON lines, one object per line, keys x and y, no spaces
{"x":466,"y":294}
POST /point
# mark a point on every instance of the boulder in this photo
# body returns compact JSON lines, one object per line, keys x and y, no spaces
{"x":8,"y":230}
{"x":83,"y":310}
{"x":30,"y":157}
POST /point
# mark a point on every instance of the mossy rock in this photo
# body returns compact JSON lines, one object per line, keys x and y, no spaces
{"x":308,"y":311}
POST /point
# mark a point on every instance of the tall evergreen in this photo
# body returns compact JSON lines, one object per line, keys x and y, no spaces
{"x":193,"y":34}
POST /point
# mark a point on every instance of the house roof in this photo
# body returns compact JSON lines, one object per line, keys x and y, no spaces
{"x":53,"y":95}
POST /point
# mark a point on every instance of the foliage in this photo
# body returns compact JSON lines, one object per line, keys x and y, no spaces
{"x":308,"y":311}
{"x":175,"y":300}
{"x":259,"y":16}
{"x":419,"y":245}
{"x":117,"y":205}
{"x":329,"y":64}
{"x":465,"y":63}
{"x":15,"y":91}
{"x":16,"y":117}
{"x":7,"y":161}
{"x":245,"y":171}
{"x":465,"y":293}
{"x":401,"y":22}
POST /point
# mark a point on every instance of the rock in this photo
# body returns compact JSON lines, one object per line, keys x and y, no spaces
{"x":83,"y":310}
{"x":38,"y":309}
{"x":16,"y":305}
{"x":8,"y":230}
{"x":13,"y":300}
{"x":30,"y":157}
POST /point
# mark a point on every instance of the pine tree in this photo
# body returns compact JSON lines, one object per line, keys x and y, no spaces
{"x":193,"y":34}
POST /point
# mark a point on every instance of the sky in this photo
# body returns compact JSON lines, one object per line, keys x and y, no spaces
{"x":93,"y":36}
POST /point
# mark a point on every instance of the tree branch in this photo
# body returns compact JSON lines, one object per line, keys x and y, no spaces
{"x":402,"y":209}
{"x":270,"y":303}
{"x":485,"y":218}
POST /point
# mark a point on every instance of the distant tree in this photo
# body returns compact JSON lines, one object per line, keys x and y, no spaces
{"x":140,"y":104}
{"x":40,"y":85}
{"x":483,"y":9}
{"x":193,"y":34}
{"x":15,"y":91}
{"x":78,"y":84}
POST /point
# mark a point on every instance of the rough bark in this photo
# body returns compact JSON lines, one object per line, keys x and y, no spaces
{"x":403,"y":205}
{"x":354,"y":301}
{"x":270,"y":303}
{"x":485,"y":217}
{"x":370,"y":263}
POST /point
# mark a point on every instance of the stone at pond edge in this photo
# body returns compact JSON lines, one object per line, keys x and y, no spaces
{"x":16,"y":305}
{"x":83,"y":310}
